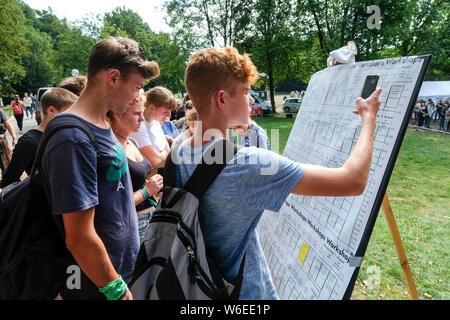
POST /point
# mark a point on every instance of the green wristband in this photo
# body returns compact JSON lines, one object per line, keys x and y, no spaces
{"x":145,"y":193}
{"x":152,"y":202}
{"x":115,"y":289}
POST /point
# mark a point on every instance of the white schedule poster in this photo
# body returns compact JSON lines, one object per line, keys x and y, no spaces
{"x":314,"y":245}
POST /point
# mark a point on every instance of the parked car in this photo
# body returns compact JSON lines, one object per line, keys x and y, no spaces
{"x":292,"y":104}
{"x":266,"y":108}
{"x":38,"y":111}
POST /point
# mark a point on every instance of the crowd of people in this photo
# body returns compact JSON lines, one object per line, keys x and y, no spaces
{"x":426,"y":112}
{"x":103,"y":201}
{"x":19,"y":107}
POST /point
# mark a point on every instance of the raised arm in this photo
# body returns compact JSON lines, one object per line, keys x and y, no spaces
{"x":351,"y":178}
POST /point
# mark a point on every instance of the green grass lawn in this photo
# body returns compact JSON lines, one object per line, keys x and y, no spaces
{"x":419,"y":191}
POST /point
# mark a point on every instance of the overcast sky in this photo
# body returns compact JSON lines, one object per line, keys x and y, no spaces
{"x":149,"y":10}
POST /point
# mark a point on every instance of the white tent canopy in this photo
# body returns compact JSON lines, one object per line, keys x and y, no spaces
{"x":435,"y":90}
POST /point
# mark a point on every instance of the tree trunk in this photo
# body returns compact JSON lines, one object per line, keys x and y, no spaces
{"x":208,"y":23}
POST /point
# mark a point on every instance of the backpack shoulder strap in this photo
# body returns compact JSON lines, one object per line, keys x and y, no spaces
{"x":238,"y":281}
{"x":206,"y":172}
{"x":62,"y":122}
{"x":212,"y":164}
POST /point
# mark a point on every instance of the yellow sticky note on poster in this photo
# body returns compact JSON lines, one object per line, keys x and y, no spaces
{"x":303,"y":252}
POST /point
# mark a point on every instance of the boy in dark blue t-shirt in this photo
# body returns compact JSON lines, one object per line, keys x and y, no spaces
{"x":93,"y":195}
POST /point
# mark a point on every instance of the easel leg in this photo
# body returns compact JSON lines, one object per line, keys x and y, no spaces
{"x":399,"y":247}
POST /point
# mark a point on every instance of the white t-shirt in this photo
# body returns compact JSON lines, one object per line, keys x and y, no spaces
{"x":180,"y":139}
{"x":150,"y":135}
{"x":27,"y":101}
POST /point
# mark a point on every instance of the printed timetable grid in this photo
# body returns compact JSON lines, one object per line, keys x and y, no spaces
{"x":283,"y":274}
{"x":305,"y":247}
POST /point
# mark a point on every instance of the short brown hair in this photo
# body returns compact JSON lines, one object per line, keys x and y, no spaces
{"x":74,"y":84}
{"x":58,"y":98}
{"x":213,"y":69}
{"x":123,"y":54}
{"x":160,"y":97}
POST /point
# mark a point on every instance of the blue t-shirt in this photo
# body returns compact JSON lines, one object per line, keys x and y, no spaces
{"x":169,"y":129}
{"x":254,"y":137}
{"x":75,"y":179}
{"x":255,"y":180}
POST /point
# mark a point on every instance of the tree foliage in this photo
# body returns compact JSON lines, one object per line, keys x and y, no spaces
{"x":289,"y":40}
{"x":158,"y":47}
{"x":12,"y":44}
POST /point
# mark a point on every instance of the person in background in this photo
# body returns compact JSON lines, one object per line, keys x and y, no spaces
{"x":421,"y":114}
{"x":191,"y":118}
{"x":249,"y":135}
{"x":74,"y":84}
{"x":140,"y":168}
{"x":150,"y":138}
{"x":448,"y":114}
{"x":168,"y":127}
{"x":442,"y":114}
{"x":17,"y":108}
{"x":437,"y":112}
{"x":182,"y":111}
{"x":33,"y":102}
{"x":173,"y":114}
{"x":28,"y":108}
{"x":416,"y":112}
{"x":180,"y":124}
{"x":428,"y":111}
{"x":5,"y":150}
{"x":54,"y":101}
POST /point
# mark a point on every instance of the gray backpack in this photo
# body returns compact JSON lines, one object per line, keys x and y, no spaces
{"x":173,"y":261}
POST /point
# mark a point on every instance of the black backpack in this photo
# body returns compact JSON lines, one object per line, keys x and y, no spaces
{"x":34,"y":257}
{"x":173,"y":262}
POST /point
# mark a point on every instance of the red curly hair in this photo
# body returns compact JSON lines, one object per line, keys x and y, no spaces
{"x":216,"y":69}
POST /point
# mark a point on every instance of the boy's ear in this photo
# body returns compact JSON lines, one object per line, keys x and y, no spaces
{"x":51,"y":110}
{"x":219,"y":99}
{"x":112,"y":75}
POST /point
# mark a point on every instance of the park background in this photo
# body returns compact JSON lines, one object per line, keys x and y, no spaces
{"x":288,"y":41}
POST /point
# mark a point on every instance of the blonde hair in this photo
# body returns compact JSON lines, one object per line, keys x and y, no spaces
{"x":123,"y":54}
{"x":160,"y":97}
{"x":213,"y":69}
{"x":192,"y":115}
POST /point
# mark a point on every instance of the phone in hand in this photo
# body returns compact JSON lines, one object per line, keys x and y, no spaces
{"x":369,"y":86}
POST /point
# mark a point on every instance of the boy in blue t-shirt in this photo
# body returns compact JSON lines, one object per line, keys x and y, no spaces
{"x":249,"y":135}
{"x":218,"y":82}
{"x":92,"y":195}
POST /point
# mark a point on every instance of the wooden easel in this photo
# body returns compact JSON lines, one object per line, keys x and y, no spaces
{"x":386,"y":206}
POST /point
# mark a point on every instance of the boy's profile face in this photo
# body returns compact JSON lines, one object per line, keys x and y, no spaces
{"x":127,"y":91}
{"x":238,"y":104}
{"x":161,"y":113}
